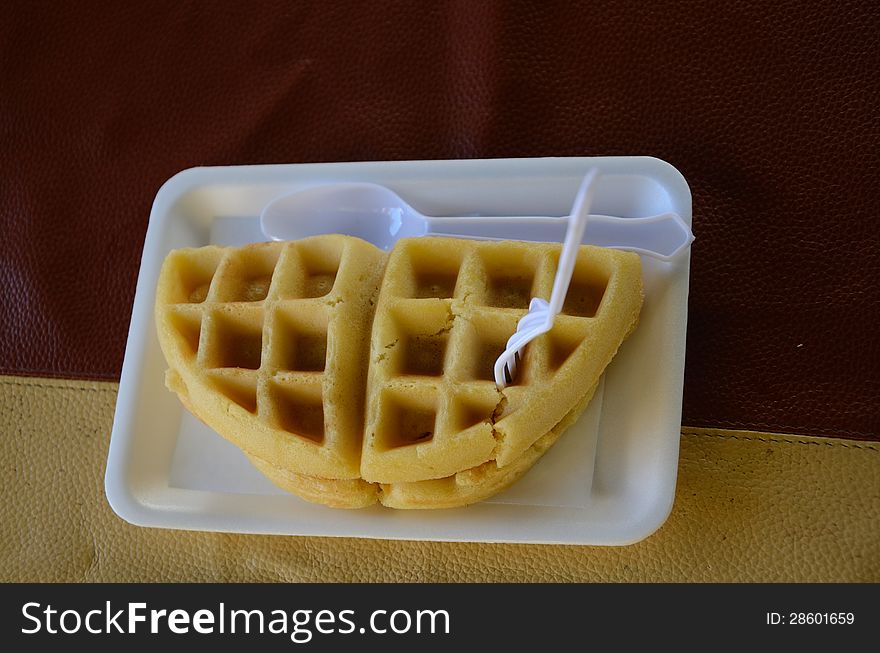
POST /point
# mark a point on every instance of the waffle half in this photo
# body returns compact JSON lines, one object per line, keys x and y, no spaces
{"x":351,"y":377}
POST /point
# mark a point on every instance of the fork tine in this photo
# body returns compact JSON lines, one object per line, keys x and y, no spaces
{"x":512,"y":365}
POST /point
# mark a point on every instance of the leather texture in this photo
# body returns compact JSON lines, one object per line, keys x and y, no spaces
{"x":770,"y":111}
{"x":749,"y":507}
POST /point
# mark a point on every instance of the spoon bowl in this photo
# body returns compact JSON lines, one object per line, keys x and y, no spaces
{"x":368,"y":211}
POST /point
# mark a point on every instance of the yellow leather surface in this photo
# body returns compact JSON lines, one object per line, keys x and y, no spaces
{"x":749,"y":507}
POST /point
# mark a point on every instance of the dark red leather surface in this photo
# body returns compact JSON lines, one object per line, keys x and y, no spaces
{"x":770,"y":110}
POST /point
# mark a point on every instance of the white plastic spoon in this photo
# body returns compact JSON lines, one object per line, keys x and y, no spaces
{"x":378,"y":215}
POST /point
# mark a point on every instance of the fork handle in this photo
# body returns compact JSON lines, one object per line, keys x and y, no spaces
{"x":574,"y":235}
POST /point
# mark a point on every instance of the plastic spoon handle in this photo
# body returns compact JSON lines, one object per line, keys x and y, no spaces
{"x":661,"y":236}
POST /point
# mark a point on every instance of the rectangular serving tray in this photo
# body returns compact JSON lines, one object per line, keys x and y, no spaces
{"x":609,"y":480}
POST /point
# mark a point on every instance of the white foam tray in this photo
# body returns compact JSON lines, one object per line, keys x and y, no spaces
{"x":609,"y":480}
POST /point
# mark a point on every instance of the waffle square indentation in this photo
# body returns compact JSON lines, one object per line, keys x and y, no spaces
{"x":429,"y":269}
{"x":486,"y":340}
{"x":586,"y":290}
{"x":299,"y":340}
{"x":487,"y":352}
{"x":239,"y":388}
{"x":412,"y":338}
{"x":298,"y":409}
{"x":423,"y":355}
{"x":405,"y":420}
{"x":247,"y":273}
{"x":562,"y":344}
{"x":467,"y":411}
{"x":434,"y":284}
{"x":194,"y":272}
{"x":510,"y":275}
{"x":320,"y":265}
{"x":509,"y":291}
{"x":235,"y":340}
{"x":187,"y":324}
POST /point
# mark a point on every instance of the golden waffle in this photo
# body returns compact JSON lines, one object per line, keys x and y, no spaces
{"x":266,"y":344}
{"x":445,"y":313}
{"x":271,"y":346}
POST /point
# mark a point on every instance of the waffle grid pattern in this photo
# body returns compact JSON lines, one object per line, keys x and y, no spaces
{"x":444,"y":316}
{"x":228,"y":302}
{"x":350,"y":376}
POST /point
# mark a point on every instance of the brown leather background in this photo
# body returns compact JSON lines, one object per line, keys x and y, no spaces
{"x":770,"y":110}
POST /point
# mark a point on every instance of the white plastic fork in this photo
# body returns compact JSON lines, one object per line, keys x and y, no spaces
{"x":541,"y":314}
